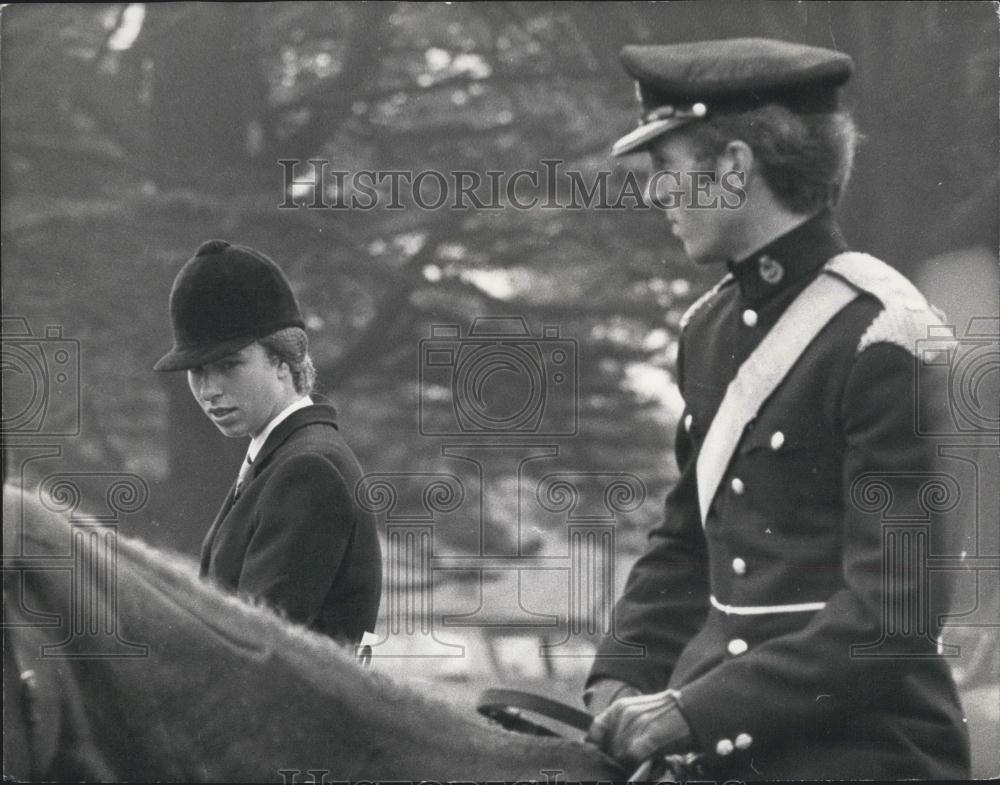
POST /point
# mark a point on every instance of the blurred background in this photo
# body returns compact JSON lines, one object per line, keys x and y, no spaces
{"x":133,"y":132}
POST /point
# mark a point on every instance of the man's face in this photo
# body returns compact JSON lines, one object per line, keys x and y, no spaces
{"x":698,"y":198}
{"x":242,"y":392}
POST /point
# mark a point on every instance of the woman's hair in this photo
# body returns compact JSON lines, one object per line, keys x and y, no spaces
{"x":291,"y":346}
{"x":806,"y":159}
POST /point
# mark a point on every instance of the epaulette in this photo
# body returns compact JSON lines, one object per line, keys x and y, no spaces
{"x":690,"y":312}
{"x":906,"y":315}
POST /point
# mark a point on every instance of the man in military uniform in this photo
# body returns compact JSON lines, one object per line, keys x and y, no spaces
{"x":289,"y":532}
{"x":765,"y":581}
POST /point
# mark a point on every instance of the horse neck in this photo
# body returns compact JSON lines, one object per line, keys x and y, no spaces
{"x":194,"y":685}
{"x":252,"y":697}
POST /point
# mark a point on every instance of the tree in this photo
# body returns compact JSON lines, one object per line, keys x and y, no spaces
{"x":132,"y":133}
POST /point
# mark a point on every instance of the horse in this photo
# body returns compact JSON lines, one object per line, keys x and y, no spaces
{"x":121,"y":664}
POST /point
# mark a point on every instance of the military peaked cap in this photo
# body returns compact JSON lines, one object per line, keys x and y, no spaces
{"x":681,"y":83}
{"x":225,"y":298}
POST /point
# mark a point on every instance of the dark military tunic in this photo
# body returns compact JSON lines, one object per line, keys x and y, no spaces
{"x":752,"y":615}
{"x":294,"y":536}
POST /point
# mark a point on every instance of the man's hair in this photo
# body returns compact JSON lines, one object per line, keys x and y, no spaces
{"x":806,"y":159}
{"x":291,"y":346}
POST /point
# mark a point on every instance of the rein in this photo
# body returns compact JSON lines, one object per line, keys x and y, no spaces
{"x":507,"y":707}
{"x":28,"y":693}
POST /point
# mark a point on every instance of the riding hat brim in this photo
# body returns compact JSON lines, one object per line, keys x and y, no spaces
{"x":188,"y":357}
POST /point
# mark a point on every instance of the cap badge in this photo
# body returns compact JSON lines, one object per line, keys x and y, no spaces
{"x":771,"y":270}
{"x":669,"y":111}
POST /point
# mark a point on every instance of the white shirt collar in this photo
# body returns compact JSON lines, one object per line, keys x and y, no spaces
{"x":258,"y":441}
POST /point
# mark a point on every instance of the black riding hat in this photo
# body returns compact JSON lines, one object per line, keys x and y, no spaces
{"x":225,"y":298}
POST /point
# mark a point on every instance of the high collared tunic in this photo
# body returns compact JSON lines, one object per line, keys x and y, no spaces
{"x":752,"y":615}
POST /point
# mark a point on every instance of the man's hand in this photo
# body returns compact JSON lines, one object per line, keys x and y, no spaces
{"x":634,"y":729}
{"x":603,"y":692}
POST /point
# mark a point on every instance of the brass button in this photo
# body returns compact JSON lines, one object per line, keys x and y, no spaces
{"x":739,"y":566}
{"x":777,"y":439}
{"x":737,"y":486}
{"x":724,"y":747}
{"x":688,"y":419}
{"x":743,"y":741}
{"x":737,"y":646}
{"x":750,"y":317}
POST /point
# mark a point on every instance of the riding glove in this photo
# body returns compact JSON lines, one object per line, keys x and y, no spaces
{"x":634,"y":729}
{"x":603,"y":692}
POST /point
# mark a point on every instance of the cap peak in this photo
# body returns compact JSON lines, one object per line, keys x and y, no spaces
{"x":696,"y":79}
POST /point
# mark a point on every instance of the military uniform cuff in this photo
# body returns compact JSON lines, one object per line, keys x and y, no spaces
{"x":718,"y":727}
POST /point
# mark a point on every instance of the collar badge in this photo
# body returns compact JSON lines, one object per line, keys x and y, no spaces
{"x":771,"y":270}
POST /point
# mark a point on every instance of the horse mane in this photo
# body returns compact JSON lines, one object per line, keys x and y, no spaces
{"x":254,"y":630}
{"x":164,"y":569}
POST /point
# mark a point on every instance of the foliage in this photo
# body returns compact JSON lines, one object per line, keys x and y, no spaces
{"x":120,"y":156}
